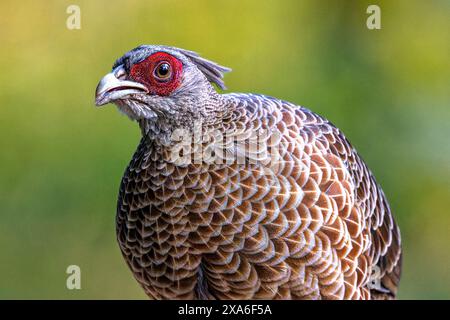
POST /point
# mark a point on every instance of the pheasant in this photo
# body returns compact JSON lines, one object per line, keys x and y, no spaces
{"x":242,"y":196}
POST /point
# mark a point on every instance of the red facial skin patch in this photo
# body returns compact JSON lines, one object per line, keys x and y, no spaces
{"x":143,"y":72}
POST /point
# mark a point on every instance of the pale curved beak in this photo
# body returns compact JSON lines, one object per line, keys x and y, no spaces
{"x":111,"y":87}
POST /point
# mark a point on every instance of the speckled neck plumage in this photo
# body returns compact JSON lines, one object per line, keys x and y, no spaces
{"x":209,"y":116}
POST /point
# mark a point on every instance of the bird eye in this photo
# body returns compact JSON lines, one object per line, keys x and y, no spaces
{"x":163,"y":71}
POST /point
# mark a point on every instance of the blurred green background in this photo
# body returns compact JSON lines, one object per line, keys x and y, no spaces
{"x":62,"y":159}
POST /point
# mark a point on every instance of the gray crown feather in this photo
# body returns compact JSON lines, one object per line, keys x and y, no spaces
{"x":212,"y":71}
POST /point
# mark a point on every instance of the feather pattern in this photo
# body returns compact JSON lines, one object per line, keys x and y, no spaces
{"x":313,"y":225}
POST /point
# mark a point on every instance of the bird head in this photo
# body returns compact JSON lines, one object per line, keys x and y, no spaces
{"x":155,"y":82}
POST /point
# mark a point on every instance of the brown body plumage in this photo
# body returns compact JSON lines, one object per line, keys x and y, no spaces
{"x":313,"y":223}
